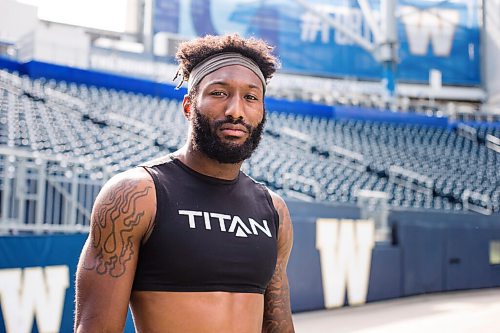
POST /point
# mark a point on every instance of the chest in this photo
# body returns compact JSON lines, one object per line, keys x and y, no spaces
{"x":224,"y":239}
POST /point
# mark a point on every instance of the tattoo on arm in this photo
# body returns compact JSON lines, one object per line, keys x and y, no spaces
{"x":277,"y":311}
{"x":277,"y":315}
{"x":112,"y":224}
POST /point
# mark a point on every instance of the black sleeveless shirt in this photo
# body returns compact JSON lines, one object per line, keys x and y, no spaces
{"x":209,"y":234}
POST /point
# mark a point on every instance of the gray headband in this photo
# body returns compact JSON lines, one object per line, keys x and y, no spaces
{"x":217,"y":61}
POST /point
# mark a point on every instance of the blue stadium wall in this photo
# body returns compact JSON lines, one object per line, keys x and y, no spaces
{"x":429,"y":251}
{"x":36,"y":69}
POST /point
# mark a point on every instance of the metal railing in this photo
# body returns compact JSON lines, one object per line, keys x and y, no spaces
{"x":348,"y":158}
{"x":374,"y":205}
{"x":477,"y":202}
{"x":411,"y":179}
{"x":293,"y":182}
{"x":492,"y":142}
{"x":40,"y":193}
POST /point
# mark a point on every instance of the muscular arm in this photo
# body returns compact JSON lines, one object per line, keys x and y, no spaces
{"x":121,"y":216}
{"x":277,"y":311}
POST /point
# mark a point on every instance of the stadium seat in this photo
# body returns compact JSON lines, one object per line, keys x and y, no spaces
{"x":117,"y":130}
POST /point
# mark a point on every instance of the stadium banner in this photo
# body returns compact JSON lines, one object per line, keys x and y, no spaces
{"x":37,"y":283}
{"x":37,"y":280}
{"x":433,"y":35}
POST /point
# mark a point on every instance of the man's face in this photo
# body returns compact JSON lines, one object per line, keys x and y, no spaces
{"x":227,"y":114}
{"x":205,"y":138}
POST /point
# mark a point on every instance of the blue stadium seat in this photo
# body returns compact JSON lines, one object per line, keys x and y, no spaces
{"x":120,"y":130}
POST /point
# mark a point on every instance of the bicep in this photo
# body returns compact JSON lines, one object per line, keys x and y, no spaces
{"x":107,"y":264}
{"x":101,"y":299}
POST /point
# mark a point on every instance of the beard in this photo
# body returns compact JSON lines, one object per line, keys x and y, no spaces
{"x":205,"y":138}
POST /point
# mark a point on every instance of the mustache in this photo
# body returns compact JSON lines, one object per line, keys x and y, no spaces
{"x":232,"y":121}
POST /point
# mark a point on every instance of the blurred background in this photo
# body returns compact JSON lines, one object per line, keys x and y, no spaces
{"x":383,"y":136}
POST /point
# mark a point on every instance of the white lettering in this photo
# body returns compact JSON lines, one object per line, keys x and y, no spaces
{"x":238,"y":222}
{"x":33,"y":292}
{"x":436,"y":26}
{"x":240,"y":233}
{"x":221,"y":218}
{"x":345,"y":248}
{"x":351,"y":18}
{"x":254,"y":225}
{"x":312,"y":25}
{"x":191,"y":214}
{"x":206,"y":217}
{"x":237,"y":225}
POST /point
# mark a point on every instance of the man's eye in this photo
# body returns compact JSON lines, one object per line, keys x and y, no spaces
{"x":252,"y":97}
{"x":217,"y":93}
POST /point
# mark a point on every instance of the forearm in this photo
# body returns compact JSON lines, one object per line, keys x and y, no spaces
{"x":277,"y":311}
{"x":99,"y":307}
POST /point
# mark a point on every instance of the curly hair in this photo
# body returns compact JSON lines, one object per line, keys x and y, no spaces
{"x":191,"y":53}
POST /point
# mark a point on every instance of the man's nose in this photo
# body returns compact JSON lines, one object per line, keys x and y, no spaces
{"x":235,"y":107}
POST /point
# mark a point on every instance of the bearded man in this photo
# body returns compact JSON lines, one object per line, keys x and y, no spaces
{"x":188,"y":240}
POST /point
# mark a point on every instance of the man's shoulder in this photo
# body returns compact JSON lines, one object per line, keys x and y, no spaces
{"x":132,"y":184}
{"x":127,"y":200}
{"x":276,"y":198}
{"x":137,"y":175}
{"x":157,"y":161}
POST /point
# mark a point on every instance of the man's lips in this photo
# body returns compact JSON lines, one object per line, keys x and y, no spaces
{"x":233,"y":130}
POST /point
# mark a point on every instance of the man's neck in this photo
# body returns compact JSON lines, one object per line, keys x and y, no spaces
{"x":201,"y":163}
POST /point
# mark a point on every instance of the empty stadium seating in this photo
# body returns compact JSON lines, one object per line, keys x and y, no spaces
{"x":305,"y":157}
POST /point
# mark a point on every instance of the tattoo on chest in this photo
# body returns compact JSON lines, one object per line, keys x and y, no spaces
{"x":112,"y":224}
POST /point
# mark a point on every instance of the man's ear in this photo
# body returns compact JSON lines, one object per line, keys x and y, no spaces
{"x":186,"y":106}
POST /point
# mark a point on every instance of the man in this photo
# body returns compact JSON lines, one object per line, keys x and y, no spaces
{"x":190,"y":241}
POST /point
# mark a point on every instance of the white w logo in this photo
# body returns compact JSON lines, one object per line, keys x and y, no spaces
{"x":33,"y":292}
{"x":345,"y":248}
{"x":430,"y":25}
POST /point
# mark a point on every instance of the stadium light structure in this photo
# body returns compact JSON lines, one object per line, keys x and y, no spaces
{"x":385,"y":39}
